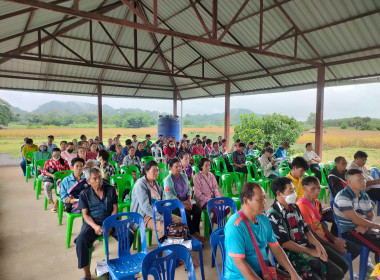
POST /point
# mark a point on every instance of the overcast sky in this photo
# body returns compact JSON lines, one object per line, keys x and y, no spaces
{"x":343,"y":101}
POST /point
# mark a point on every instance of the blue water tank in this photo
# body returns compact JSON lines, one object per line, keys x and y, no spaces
{"x":169,"y":126}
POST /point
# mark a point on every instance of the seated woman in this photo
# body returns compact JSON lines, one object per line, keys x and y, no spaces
{"x":132,"y":159}
{"x":69,"y":154}
{"x":184,"y":147}
{"x":97,"y":203}
{"x":118,"y":156}
{"x":86,"y":145}
{"x":140,"y":152}
{"x":304,"y":251}
{"x":268,"y":164}
{"x":198,"y":149}
{"x":82,"y":153}
{"x":205,"y":186}
{"x":184,"y":159}
{"x":170,"y":151}
{"x":72,"y":185}
{"x":145,"y":193}
{"x":56,"y":163}
{"x":105,"y":167}
{"x":208,"y":148}
{"x":177,"y":186}
{"x":92,"y":154}
{"x":250,"y":149}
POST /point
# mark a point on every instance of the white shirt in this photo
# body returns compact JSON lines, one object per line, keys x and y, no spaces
{"x":134,"y":144}
{"x":309,"y":156}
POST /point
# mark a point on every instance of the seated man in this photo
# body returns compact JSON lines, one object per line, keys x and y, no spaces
{"x":238,"y":159}
{"x":311,"y":210}
{"x":337,"y":176}
{"x":29,"y":147}
{"x":69,"y":154}
{"x":118,"y":157}
{"x":99,"y":143}
{"x":281,"y":152}
{"x":135,"y":142}
{"x":97,"y":203}
{"x":82,"y":139}
{"x":63,"y":145}
{"x":354,"y":212}
{"x":128,"y":144}
{"x":132,"y":159}
{"x":82,"y":153}
{"x":50,"y":144}
{"x":110,"y":142}
{"x":204,"y":139}
{"x":305,"y":252}
{"x":313,"y":160}
{"x":268,"y":164}
{"x":372,"y":186}
{"x":72,"y":186}
{"x":147,"y":143}
{"x":266,"y":145}
{"x":215,"y":152}
{"x":249,"y":151}
{"x":299,"y":167}
{"x":160,"y":141}
{"x":241,"y":257}
{"x":116,"y":142}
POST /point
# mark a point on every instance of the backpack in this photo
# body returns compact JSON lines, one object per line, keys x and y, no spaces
{"x":176,"y":231}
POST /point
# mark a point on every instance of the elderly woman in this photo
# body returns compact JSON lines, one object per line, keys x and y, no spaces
{"x":145,"y":193}
{"x":170,"y":151}
{"x":97,"y":203}
{"x":184,"y":159}
{"x":118,"y":156}
{"x":56,"y":163}
{"x":177,"y":186}
{"x":93,"y":154}
{"x":132,"y":159}
{"x":105,"y":167}
{"x":140,"y":152}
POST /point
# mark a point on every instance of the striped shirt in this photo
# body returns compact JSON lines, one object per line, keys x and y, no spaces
{"x":347,"y":200}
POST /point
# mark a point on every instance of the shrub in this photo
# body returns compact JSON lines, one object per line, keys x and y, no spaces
{"x":344,"y":126}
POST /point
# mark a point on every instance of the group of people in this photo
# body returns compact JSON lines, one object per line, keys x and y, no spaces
{"x":294,"y":227}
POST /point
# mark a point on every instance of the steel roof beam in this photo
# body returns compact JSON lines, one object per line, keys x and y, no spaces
{"x":151,"y":28}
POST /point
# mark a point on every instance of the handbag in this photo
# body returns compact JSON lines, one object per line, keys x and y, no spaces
{"x":268,"y":272}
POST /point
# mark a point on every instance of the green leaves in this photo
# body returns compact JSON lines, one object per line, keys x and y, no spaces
{"x":273,"y":128}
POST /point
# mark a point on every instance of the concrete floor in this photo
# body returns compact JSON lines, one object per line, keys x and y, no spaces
{"x":32,"y":245}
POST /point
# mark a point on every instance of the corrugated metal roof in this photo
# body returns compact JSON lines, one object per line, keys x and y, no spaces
{"x":355,"y":35}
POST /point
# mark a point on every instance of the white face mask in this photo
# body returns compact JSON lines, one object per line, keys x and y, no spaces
{"x":291,"y":198}
{"x":56,"y":158}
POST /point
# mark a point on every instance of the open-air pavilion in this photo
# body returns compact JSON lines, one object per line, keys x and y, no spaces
{"x":180,"y":50}
{"x":169,"y":49}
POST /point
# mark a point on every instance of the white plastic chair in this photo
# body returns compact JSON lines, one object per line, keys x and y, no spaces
{"x":158,"y":154}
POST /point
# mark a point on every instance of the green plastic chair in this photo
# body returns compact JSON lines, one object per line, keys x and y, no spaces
{"x":229,"y":156}
{"x":29,"y":166}
{"x":258,"y":177}
{"x":145,"y":160}
{"x":161,"y":177}
{"x":128,"y":169}
{"x":331,"y":164}
{"x":164,"y":168}
{"x":324,"y":183}
{"x":206,"y":220}
{"x":284,"y":171}
{"x":196,"y":159}
{"x":38,"y":179}
{"x":195,"y":169}
{"x":60,"y":175}
{"x":218,"y":162}
{"x":227,"y":181}
{"x":114,"y":164}
{"x":123,"y":181}
{"x":111,"y":153}
{"x":70,"y":221}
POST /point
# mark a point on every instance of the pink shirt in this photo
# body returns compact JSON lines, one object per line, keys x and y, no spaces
{"x":68,"y":157}
{"x":205,"y":188}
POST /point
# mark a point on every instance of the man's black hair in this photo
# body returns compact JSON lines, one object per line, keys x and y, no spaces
{"x":76,"y":159}
{"x":307,"y":181}
{"x":269,"y":150}
{"x":300,"y":162}
{"x":104,"y":154}
{"x":241,"y":145}
{"x":351,"y":172}
{"x":29,"y":141}
{"x":308,"y":144}
{"x":208,"y":141}
{"x":128,"y":142}
{"x":279,"y":184}
{"x":360,"y":154}
{"x":248,"y":191}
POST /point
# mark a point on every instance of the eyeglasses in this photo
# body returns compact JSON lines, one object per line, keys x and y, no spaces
{"x":362,"y":180}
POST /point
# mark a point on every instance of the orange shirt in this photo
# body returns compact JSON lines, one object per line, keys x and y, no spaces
{"x":309,"y":216}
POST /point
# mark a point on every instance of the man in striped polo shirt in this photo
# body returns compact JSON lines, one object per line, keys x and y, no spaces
{"x":354,"y":212}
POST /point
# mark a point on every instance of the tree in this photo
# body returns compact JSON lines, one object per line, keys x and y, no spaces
{"x":273,"y":128}
{"x":186,"y":122}
{"x":311,"y":119}
{"x":6,"y":114}
{"x":343,"y":126}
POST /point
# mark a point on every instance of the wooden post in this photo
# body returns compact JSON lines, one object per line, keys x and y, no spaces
{"x":175,"y":112}
{"x":227,"y":113}
{"x":100,"y":113}
{"x":319,"y":111}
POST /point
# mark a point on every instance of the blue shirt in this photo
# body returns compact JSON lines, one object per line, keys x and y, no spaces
{"x":248,"y":151}
{"x":238,"y":244}
{"x":66,"y":184}
{"x":99,"y":209}
{"x":281,"y":153}
{"x":346,"y":199}
{"x":50,"y":148}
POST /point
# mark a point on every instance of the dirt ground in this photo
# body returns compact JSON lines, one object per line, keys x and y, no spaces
{"x":32,"y":245}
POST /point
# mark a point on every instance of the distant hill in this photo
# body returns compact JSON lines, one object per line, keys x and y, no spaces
{"x":65,"y":109}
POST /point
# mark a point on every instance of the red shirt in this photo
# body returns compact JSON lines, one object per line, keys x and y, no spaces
{"x":170,"y":152}
{"x":91,"y":155}
{"x":55,"y":165}
{"x":198,"y":151}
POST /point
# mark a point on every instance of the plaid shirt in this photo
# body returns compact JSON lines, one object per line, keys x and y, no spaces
{"x":288,"y":225}
{"x":53,"y":166}
{"x":118,"y":158}
{"x":107,"y":170}
{"x":238,"y":157}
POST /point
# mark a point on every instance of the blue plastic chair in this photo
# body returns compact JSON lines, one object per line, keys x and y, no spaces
{"x":220,"y":204}
{"x":364,"y":252}
{"x":375,"y":173}
{"x":217,"y":240}
{"x":165,"y":208}
{"x":163,"y":268}
{"x":126,"y":265}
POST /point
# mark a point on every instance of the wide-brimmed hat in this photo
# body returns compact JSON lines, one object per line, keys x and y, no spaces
{"x":42,"y":144}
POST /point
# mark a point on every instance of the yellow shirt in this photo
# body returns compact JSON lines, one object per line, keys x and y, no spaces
{"x":298,"y":185}
{"x":26,"y":149}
